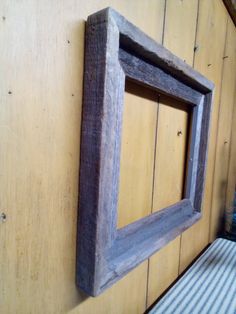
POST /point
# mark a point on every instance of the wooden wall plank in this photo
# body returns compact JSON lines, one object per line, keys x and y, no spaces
{"x":210,"y":41}
{"x":163,"y":270}
{"x":180,"y":28}
{"x":180,"y":17}
{"x":42,"y":60}
{"x":41,"y":97}
{"x":169,"y":175}
{"x":124,"y":297}
{"x":137,"y":154}
{"x":232,"y":162}
{"x":227,"y":103}
{"x":173,"y":122}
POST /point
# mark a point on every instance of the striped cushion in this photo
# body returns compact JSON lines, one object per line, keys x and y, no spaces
{"x":208,"y":287}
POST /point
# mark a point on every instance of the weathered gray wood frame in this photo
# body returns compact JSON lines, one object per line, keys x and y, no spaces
{"x":116,"y":50}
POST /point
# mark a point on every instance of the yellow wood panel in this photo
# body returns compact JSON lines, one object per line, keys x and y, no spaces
{"x":227,"y":102}
{"x":42,"y":61}
{"x":210,"y":41}
{"x":180,"y":28}
{"x":138,"y":130}
{"x":163,"y":270}
{"x":231,"y":182}
{"x":126,"y":296}
{"x":171,"y":146}
{"x":41,"y":95}
{"x":168,"y":187}
{"x":179,"y":36}
{"x":137,"y":154}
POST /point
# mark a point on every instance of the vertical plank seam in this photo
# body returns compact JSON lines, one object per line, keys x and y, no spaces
{"x":217,"y":133}
{"x":230,"y":141}
{"x":155,"y":143}
{"x":155,"y":152}
{"x":193,"y":63}
{"x":164,"y":23}
{"x":196,"y":32}
{"x":230,"y":148}
{"x":153,"y":183}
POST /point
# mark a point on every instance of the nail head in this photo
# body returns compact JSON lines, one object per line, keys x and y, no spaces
{"x":3,"y":217}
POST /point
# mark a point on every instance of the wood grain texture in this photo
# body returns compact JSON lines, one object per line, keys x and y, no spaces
{"x":104,"y":83}
{"x":99,"y":167}
{"x":211,"y":31}
{"x":40,"y":150}
{"x":137,"y":42}
{"x":225,"y":123}
{"x":40,"y":127}
{"x":104,"y":254}
{"x":144,"y":73}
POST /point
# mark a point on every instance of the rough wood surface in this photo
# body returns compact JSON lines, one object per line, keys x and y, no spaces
{"x":105,"y":254}
{"x":135,"y":40}
{"x":202,"y":158}
{"x":140,"y":240}
{"x":195,"y":146}
{"x":104,"y":84}
{"x":39,"y":149}
{"x":149,"y":75}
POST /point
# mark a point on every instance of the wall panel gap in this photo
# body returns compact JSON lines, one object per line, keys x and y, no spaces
{"x":164,"y":23}
{"x":193,"y":62}
{"x":217,"y":134}
{"x":154,"y":164}
{"x":155,"y":151}
{"x":196,"y":32}
{"x":153,"y":181}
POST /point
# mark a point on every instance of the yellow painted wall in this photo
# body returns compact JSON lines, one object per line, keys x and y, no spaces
{"x":41,"y":61}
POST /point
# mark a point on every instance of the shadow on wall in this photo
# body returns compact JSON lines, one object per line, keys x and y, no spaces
{"x":78,"y":296}
{"x":222,"y":208}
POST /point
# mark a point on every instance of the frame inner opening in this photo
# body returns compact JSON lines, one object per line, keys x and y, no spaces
{"x":154,"y":145}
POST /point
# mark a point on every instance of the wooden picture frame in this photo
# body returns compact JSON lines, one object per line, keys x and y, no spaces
{"x":117,"y":50}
